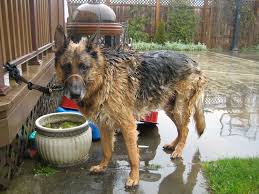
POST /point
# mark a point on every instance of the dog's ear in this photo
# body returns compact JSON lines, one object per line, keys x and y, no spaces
{"x":91,"y":44}
{"x":92,"y":41}
{"x":60,"y":39}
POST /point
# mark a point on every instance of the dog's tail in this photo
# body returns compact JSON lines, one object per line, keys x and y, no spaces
{"x":199,"y":117}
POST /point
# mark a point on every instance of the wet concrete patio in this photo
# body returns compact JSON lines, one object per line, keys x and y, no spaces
{"x":232,"y":116}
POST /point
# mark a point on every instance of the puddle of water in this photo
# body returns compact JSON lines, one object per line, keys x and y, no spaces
{"x":232,"y":117}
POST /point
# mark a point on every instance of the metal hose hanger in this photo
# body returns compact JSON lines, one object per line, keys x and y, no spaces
{"x":14,"y":74}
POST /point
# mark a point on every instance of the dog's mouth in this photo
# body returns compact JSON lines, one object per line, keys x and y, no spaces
{"x":75,"y":87}
{"x":77,"y":97}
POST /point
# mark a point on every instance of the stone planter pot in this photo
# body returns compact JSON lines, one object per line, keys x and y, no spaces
{"x":63,"y":147}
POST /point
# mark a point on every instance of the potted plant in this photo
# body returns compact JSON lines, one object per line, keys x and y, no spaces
{"x":63,"y":139}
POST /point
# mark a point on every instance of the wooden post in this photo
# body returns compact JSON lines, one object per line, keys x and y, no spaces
{"x":61,"y":18}
{"x":3,"y":87}
{"x":34,"y":30}
{"x":157,"y":13}
{"x":34,"y":24}
{"x":257,"y":8}
{"x":204,"y":22}
{"x":50,"y":22}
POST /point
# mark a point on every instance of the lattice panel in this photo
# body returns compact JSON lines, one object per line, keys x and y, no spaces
{"x":45,"y":105}
{"x":134,"y":2}
{"x":212,"y":100}
{"x":250,"y":4}
{"x":11,"y":156}
{"x":85,"y":1}
{"x":195,"y":3}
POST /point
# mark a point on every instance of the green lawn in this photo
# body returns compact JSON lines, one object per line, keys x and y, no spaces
{"x":176,"y":46}
{"x":237,"y":176}
{"x":254,"y":48}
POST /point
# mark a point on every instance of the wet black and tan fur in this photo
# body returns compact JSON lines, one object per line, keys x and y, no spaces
{"x":114,"y":88}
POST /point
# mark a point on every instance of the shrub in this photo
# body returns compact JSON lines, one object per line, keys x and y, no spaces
{"x":247,"y":19}
{"x":182,"y":24}
{"x":160,"y":36}
{"x":140,"y":19}
{"x":137,"y":29}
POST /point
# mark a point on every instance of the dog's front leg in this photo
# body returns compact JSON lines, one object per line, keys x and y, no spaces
{"x":107,"y":145}
{"x":129,"y":133}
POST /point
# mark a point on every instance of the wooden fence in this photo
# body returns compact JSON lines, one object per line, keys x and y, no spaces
{"x":216,"y":25}
{"x":26,"y":31}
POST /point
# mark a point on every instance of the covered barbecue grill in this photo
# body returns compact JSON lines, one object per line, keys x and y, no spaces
{"x":90,"y":18}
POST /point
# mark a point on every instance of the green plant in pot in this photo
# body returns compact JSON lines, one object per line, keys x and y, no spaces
{"x":63,"y":139}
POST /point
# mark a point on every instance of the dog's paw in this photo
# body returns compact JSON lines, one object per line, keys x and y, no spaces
{"x":176,"y":154}
{"x":131,"y":183}
{"x":97,"y":169}
{"x":168,"y":147}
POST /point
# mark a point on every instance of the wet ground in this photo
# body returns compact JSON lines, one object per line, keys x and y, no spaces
{"x":232,"y":116}
{"x":251,"y":55}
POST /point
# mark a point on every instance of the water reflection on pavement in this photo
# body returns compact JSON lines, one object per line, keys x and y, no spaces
{"x":231,"y":104}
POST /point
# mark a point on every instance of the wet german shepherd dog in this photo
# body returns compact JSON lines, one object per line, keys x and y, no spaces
{"x":113,"y":88}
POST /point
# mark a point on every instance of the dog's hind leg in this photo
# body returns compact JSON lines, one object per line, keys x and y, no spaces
{"x":172,"y":145}
{"x":107,"y":136}
{"x":129,"y":132}
{"x":180,"y":114}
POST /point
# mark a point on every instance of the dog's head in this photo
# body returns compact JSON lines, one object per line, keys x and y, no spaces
{"x":75,"y":64}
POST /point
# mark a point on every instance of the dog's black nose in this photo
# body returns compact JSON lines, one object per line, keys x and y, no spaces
{"x":75,"y":87}
{"x":75,"y":95}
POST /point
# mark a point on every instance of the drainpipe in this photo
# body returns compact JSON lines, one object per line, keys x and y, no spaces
{"x":236,"y":32}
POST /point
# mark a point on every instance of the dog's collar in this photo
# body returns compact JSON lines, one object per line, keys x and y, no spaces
{"x":75,"y":75}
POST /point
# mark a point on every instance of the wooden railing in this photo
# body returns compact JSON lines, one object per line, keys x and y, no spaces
{"x":26,"y":32}
{"x":26,"y":38}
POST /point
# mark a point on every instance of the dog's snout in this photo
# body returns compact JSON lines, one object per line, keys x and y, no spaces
{"x":76,"y":88}
{"x":75,"y":95}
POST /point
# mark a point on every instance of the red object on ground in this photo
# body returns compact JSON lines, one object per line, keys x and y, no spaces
{"x":68,"y":103}
{"x":150,"y":118}
{"x":32,"y":152}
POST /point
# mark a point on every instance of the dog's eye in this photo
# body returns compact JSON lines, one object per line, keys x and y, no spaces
{"x":66,"y":68}
{"x":83,"y":67}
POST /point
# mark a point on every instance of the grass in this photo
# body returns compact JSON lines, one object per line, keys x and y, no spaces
{"x":44,"y":170}
{"x":154,"y":166}
{"x":251,"y":49}
{"x":233,"y":176}
{"x":176,"y":46}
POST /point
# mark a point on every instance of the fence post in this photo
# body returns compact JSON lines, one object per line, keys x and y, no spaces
{"x":257,"y":8}
{"x":3,"y":88}
{"x":204,"y":22}
{"x":61,"y":18}
{"x":34,"y":24}
{"x":157,"y":14}
{"x":236,"y":31}
{"x":34,"y":31}
{"x":50,"y":22}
